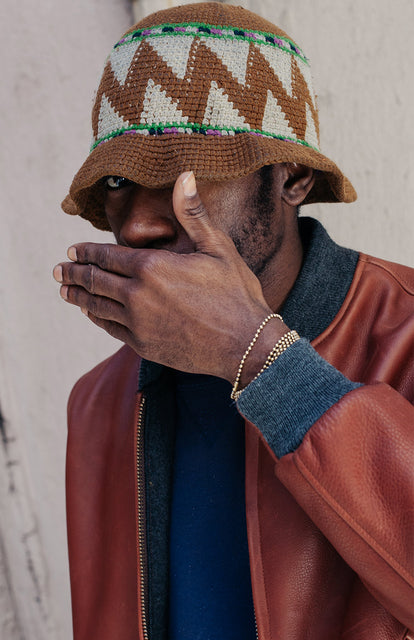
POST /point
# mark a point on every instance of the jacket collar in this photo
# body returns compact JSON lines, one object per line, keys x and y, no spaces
{"x":323,"y":282}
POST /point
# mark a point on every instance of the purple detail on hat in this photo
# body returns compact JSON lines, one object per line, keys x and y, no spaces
{"x":194,"y":128}
{"x":207,"y":30}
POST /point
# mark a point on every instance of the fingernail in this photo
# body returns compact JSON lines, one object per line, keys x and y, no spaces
{"x":85,"y":311}
{"x":189,"y":185}
{"x":64,"y":292}
{"x":72,"y":253}
{"x":57,"y":273}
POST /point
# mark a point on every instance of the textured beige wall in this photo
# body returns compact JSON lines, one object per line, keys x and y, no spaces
{"x":52,"y":57}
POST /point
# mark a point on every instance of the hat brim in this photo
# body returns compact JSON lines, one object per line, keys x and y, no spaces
{"x":157,"y":161}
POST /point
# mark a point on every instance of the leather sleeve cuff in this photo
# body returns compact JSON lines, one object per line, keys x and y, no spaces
{"x":291,"y":395}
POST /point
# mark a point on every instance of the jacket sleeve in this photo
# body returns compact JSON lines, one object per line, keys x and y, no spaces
{"x":345,"y":453}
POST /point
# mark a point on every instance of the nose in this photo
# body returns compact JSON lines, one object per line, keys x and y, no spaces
{"x":147,"y":219}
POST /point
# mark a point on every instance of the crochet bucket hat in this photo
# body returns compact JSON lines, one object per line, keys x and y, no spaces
{"x":207,"y":87}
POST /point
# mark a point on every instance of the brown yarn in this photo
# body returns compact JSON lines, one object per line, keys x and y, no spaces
{"x":221,"y":92}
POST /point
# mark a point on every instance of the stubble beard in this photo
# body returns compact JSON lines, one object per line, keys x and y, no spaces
{"x":256,"y":240}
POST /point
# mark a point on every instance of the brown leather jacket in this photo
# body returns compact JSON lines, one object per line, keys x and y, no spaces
{"x":330,"y":526}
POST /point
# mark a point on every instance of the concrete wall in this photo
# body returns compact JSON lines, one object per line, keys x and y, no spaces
{"x":52,"y":57}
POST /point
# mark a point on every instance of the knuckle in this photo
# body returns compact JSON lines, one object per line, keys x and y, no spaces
{"x":130,"y":296}
{"x":105,"y":257}
{"x":82,"y":253}
{"x":149,"y":263}
{"x":130,"y":259}
{"x":73,"y":294}
{"x":88,"y":278}
{"x":93,"y":307}
{"x":195,"y":209}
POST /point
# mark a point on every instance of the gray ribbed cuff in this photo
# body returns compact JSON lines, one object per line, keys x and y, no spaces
{"x":291,"y":395}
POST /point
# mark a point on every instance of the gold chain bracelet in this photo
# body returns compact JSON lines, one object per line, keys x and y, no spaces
{"x":281,"y":345}
{"x":249,"y":348}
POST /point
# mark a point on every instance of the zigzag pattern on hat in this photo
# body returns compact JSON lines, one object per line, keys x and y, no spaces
{"x":203,"y":79}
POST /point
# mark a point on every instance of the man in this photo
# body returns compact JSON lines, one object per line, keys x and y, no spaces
{"x":286,"y":513}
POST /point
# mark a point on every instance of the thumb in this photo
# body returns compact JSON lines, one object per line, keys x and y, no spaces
{"x":192,"y":215}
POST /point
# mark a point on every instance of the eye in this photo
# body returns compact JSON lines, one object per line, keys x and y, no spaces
{"x":112,"y":183}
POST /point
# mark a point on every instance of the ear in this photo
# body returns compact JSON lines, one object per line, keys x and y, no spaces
{"x":299,"y":182}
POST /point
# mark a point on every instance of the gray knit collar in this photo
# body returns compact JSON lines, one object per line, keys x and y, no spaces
{"x":323,"y":282}
{"x":317,"y":295}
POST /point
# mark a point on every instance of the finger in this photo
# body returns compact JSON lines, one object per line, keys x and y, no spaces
{"x":192,"y":215}
{"x":93,"y":279}
{"x":109,"y":257}
{"x":100,"y":307}
{"x":114,"y":329}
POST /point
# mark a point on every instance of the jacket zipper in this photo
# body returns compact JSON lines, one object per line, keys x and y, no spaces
{"x":255,"y":626}
{"x":141,"y":532}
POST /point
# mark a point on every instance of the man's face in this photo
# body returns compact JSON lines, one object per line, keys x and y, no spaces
{"x":249,"y":209}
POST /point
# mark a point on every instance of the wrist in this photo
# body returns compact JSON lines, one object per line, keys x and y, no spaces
{"x":271,"y":338}
{"x":267,"y":339}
